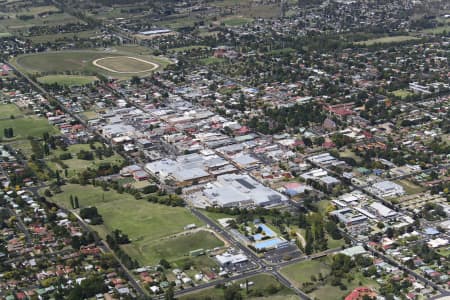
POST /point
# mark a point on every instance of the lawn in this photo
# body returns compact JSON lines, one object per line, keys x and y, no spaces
{"x":145,"y":223}
{"x":27,"y":126}
{"x":8,"y":110}
{"x":67,"y":80}
{"x":260,"y":284}
{"x":402,"y":93}
{"x":410,"y":188}
{"x":387,"y":40}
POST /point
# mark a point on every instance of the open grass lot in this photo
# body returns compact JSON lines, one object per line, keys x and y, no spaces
{"x":301,"y":272}
{"x":76,"y":165}
{"x":8,"y":110}
{"x":67,"y":80}
{"x":175,"y":248}
{"x":388,"y":40}
{"x":14,"y":24}
{"x":89,"y":115}
{"x":125,"y":64}
{"x":410,"y":188}
{"x":145,"y":223}
{"x":402,"y":93}
{"x":27,"y":126}
{"x":45,"y":38}
{"x":261,"y":282}
{"x":437,"y":30}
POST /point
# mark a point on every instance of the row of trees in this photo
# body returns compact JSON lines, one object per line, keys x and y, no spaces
{"x":92,"y":214}
{"x":74,"y":202}
{"x":8,"y":132}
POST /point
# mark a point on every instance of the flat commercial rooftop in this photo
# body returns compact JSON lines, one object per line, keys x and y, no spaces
{"x":240,"y":190}
{"x":268,"y":244}
{"x":186,"y":167}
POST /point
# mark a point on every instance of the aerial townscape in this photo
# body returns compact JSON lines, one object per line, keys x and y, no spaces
{"x":225,"y":149}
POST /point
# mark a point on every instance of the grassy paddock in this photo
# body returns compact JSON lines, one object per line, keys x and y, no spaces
{"x":387,"y":40}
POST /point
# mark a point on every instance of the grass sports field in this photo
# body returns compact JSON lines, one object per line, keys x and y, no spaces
{"x":67,"y":80}
{"x":114,"y":63}
{"x":147,"y":224}
{"x":177,"y":248}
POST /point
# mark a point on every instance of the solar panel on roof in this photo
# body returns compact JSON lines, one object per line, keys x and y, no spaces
{"x":245,"y":183}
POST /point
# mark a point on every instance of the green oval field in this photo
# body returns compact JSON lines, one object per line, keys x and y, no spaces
{"x":117,"y":64}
